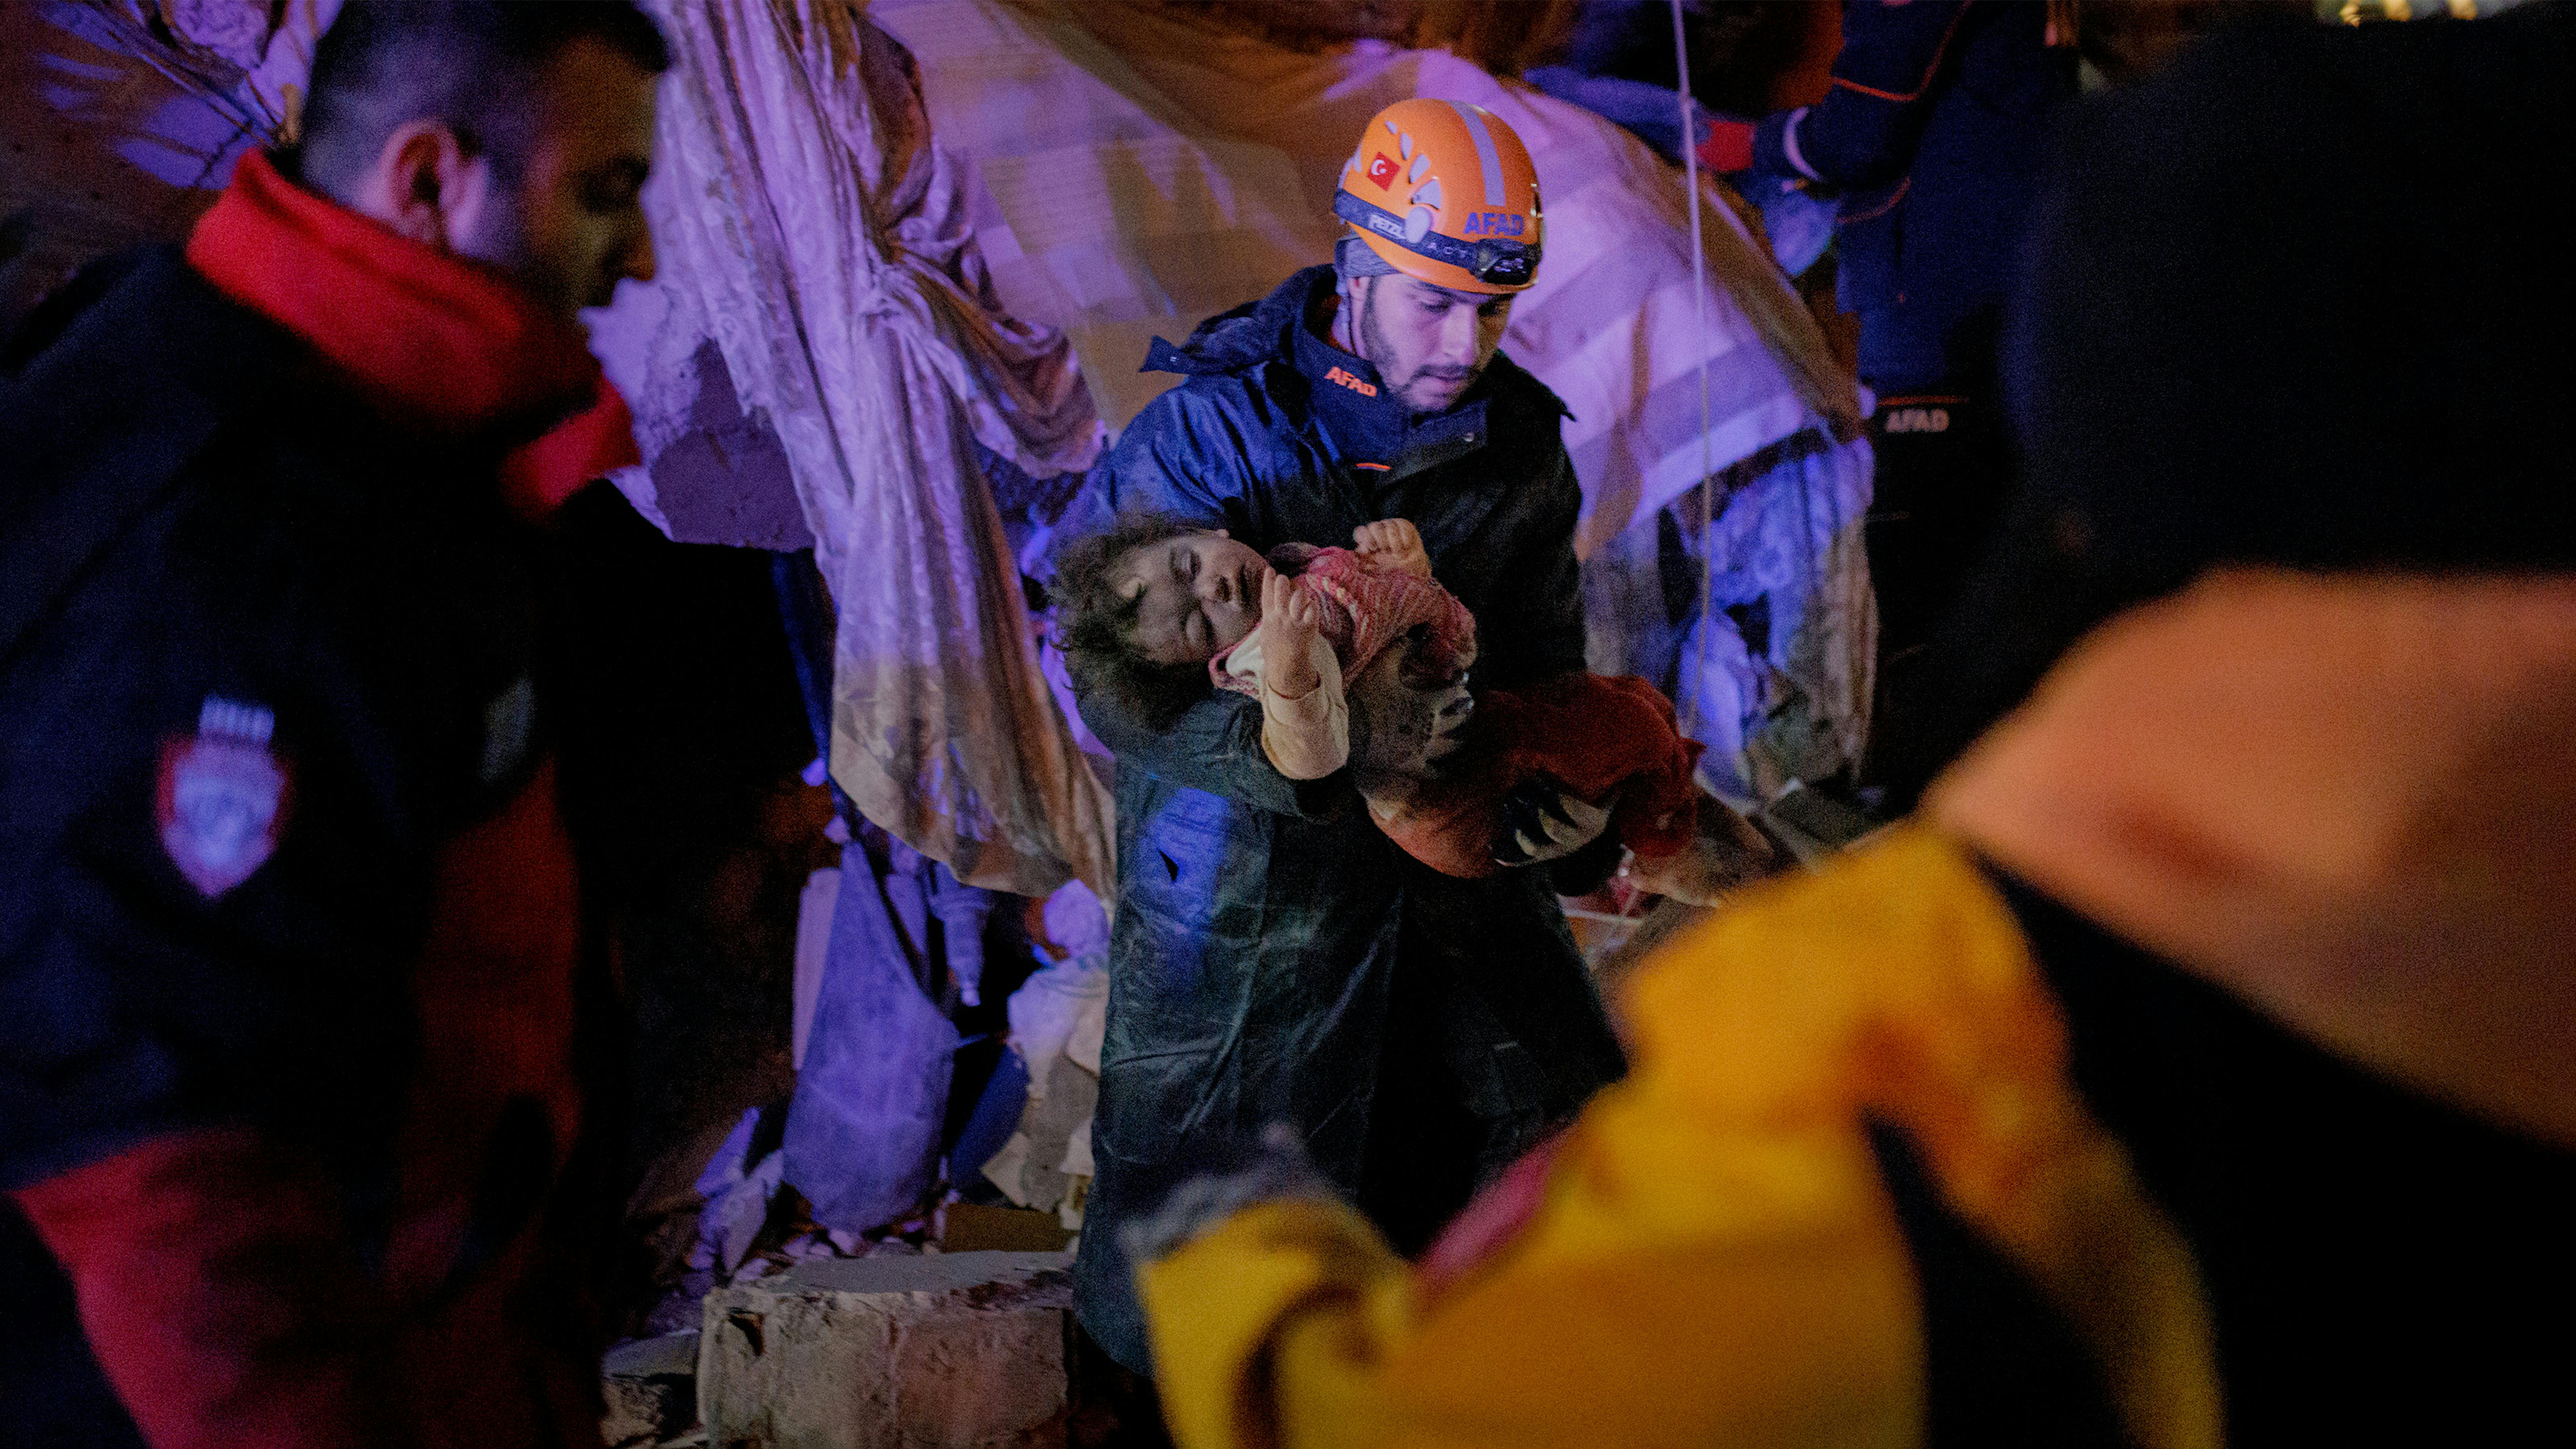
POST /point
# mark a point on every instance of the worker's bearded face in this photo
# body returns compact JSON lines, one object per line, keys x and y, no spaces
{"x":567,"y":220}
{"x":1429,"y":344}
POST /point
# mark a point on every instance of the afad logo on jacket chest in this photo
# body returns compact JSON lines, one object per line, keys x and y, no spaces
{"x":223,"y":796}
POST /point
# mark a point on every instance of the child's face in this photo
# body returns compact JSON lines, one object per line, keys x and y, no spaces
{"x":1200,"y":592}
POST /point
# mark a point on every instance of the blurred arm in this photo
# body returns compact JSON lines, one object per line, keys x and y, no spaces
{"x":220,"y":1294}
{"x":1863,"y":133}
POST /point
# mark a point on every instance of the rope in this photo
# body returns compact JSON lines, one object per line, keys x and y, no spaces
{"x":1699,"y":321}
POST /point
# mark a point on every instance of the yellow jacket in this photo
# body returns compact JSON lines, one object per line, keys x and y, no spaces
{"x":1715,"y":1260}
{"x":2343,"y":801}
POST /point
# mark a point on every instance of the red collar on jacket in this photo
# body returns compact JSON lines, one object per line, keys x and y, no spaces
{"x":439,"y":341}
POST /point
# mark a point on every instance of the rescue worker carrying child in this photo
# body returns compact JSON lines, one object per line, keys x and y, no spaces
{"x":1276,"y":960}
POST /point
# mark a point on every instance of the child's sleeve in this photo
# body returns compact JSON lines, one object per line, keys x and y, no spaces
{"x":1308,"y":737}
{"x":1411,"y":562}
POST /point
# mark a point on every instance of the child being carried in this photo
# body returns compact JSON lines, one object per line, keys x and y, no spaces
{"x":1160,"y":613}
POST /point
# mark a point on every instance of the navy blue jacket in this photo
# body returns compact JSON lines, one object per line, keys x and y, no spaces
{"x":192,"y":507}
{"x":1265,"y":931}
{"x":1934,"y":135}
{"x":194,"y":511}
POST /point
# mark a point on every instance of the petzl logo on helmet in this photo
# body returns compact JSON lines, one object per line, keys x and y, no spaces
{"x":1494,"y":223}
{"x":1381,"y":169}
{"x":223,"y":796}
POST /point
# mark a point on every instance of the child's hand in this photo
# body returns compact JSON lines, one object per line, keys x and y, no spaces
{"x":1392,"y":545}
{"x":1288,"y":624}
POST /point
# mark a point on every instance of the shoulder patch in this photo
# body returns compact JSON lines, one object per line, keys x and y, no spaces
{"x":223,"y":796}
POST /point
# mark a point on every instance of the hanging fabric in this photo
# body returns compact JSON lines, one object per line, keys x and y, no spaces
{"x":862,"y":1139}
{"x":125,"y":118}
{"x":1820,"y":670}
{"x":807,"y":226}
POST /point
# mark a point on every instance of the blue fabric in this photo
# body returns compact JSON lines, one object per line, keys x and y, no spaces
{"x":1263,"y":924}
{"x":996,"y":1116}
{"x":1934,"y":137}
{"x":1798,"y":225}
{"x":1767,"y":547}
{"x":863,"y":1128}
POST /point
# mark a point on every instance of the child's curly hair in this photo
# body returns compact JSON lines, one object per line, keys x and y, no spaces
{"x":1097,"y":629}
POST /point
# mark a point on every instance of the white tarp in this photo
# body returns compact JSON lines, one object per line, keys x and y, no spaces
{"x":806,"y":224}
{"x":1059,"y":1019}
{"x":1798,"y":706}
{"x":1145,"y":173}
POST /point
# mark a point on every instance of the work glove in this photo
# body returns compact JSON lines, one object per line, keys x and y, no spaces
{"x":1543,"y":820}
{"x":1728,"y":146}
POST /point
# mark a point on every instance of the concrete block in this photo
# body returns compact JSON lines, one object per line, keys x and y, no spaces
{"x":650,"y":1386}
{"x":940,"y":1351}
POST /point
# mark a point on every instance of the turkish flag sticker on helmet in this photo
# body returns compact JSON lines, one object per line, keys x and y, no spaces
{"x":1381,"y":169}
{"x":223,"y":797}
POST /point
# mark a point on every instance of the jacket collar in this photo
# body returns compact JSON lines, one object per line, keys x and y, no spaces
{"x":1245,"y":336}
{"x":1367,"y":424}
{"x":436,"y":341}
{"x":1260,"y":334}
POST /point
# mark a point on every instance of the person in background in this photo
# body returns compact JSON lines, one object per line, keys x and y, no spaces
{"x":2199,"y":1065}
{"x":292,"y":1081}
{"x":1932,"y":139}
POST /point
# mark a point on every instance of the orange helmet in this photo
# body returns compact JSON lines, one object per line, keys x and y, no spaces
{"x":1445,"y":193}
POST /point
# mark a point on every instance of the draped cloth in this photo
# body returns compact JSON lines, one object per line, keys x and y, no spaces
{"x":808,"y":227}
{"x":1145,"y":172}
